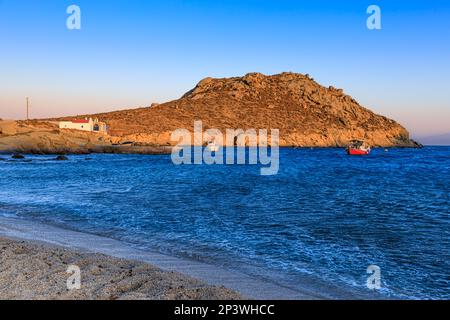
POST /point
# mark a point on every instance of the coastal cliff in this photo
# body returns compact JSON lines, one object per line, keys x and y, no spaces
{"x":306,"y":113}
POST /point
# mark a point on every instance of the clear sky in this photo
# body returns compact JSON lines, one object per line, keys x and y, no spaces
{"x":130,"y":53}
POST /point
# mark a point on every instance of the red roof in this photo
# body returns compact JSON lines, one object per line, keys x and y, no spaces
{"x":80,"y":121}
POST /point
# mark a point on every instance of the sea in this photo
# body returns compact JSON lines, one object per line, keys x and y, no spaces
{"x":367,"y":227}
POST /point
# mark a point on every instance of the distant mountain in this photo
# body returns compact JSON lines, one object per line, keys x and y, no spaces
{"x":437,"y":140}
{"x":306,"y":113}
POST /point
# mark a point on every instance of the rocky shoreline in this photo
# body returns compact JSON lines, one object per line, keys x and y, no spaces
{"x":45,"y":138}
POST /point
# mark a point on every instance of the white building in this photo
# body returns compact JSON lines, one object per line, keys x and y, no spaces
{"x":84,"y":125}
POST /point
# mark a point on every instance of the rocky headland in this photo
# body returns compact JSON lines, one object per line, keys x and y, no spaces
{"x":306,"y":114}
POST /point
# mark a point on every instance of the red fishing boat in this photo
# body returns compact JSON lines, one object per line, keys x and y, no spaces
{"x":358,"y":148}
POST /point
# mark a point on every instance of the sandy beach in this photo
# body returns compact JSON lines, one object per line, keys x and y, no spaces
{"x":39,"y":271}
{"x":35,"y":257}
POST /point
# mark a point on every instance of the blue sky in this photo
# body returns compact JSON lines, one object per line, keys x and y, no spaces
{"x":130,"y":53}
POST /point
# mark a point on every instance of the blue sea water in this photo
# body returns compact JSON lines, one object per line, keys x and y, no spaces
{"x":321,"y":221}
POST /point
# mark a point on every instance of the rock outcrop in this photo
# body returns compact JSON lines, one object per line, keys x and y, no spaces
{"x":43,"y":137}
{"x":306,"y":113}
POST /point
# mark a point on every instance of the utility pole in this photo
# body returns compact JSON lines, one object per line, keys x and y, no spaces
{"x":28,"y":107}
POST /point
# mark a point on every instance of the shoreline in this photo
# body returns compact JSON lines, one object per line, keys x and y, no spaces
{"x":166,"y":150}
{"x":206,"y":281}
{"x":112,"y":149}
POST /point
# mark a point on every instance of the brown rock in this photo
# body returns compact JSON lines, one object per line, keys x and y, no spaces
{"x":306,"y":113}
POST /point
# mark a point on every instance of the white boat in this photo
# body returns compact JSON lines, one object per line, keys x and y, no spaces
{"x":213,"y":147}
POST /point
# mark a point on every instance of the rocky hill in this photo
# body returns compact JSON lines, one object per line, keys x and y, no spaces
{"x":306,"y":113}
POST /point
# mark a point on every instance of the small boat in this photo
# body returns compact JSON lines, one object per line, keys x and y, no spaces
{"x":358,"y":148}
{"x":213,"y":147}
